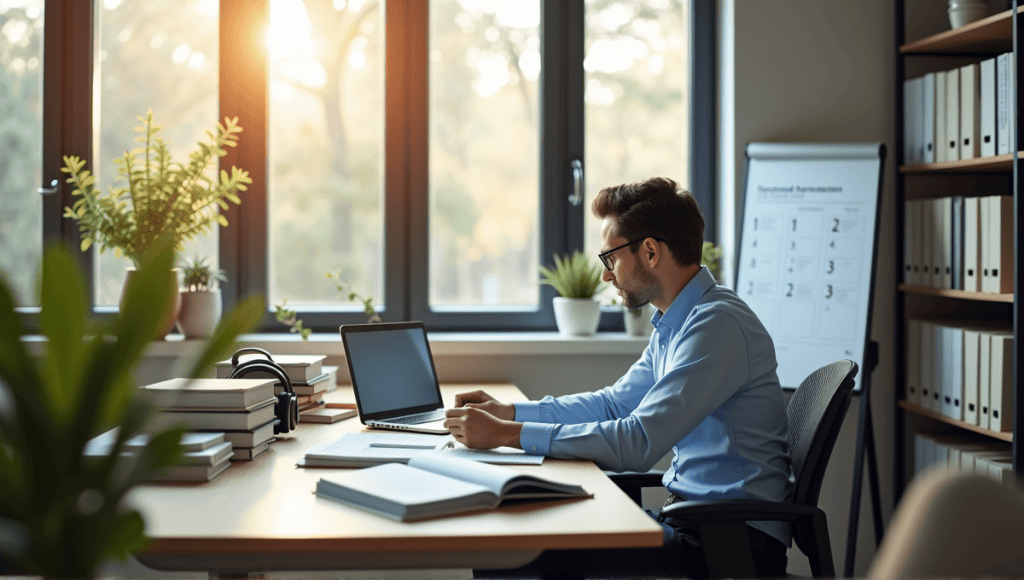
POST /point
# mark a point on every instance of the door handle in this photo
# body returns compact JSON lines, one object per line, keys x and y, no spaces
{"x":54,"y":187}
{"x":577,"y":182}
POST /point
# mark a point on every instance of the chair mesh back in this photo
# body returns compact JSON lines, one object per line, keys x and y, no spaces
{"x":815,"y":414}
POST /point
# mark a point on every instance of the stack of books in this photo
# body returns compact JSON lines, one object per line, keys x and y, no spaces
{"x":310,"y":378}
{"x":205,"y":455}
{"x":241,"y":409}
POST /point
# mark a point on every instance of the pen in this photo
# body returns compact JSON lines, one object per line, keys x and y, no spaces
{"x":410,"y":445}
{"x":340,"y":405}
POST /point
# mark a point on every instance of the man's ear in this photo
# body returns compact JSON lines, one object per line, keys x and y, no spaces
{"x":652,"y":251}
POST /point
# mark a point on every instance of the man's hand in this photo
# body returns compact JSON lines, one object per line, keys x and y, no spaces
{"x":478,"y":429}
{"x":483,"y":401}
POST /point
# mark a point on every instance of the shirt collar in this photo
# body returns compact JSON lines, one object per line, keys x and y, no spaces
{"x":687,"y":298}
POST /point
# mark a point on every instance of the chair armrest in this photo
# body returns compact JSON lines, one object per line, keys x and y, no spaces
{"x":632,"y":482}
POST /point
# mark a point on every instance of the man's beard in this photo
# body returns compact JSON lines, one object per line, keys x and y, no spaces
{"x":647,"y":288}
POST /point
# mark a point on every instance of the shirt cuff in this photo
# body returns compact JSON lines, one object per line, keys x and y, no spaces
{"x":527,"y":412}
{"x":535,"y":438}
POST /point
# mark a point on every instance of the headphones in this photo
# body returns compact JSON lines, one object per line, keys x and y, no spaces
{"x":287,"y":406}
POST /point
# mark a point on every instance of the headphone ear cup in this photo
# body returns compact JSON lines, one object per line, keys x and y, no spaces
{"x":286,"y":408}
{"x":287,"y":411}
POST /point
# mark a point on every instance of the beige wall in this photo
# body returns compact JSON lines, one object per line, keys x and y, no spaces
{"x":819,"y":71}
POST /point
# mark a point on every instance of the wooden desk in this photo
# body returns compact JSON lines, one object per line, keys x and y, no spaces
{"x":263,"y":515}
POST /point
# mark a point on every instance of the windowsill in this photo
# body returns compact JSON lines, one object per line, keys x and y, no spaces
{"x":441,"y":344}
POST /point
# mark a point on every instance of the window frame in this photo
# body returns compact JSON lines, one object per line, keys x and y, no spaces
{"x":68,"y":97}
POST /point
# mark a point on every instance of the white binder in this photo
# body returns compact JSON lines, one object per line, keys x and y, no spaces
{"x":940,"y":117}
{"x":927,"y":364}
{"x":984,"y":377}
{"x":972,"y":246}
{"x":970,"y":127}
{"x":997,"y":244}
{"x":1001,"y":385}
{"x":913,"y":391}
{"x":972,"y":347}
{"x":1005,"y":140}
{"x":946,"y":205}
{"x":928,"y":118}
{"x":987,"y":107}
{"x":953,"y":115}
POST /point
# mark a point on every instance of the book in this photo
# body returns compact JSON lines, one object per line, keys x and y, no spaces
{"x":194,"y":472}
{"x":209,"y":393}
{"x":250,"y":453}
{"x":190,"y":440}
{"x":315,"y":386}
{"x":251,"y":437}
{"x":300,"y":368}
{"x":325,"y":415}
{"x":433,"y":484}
{"x":211,"y":456}
{"x":368,"y":449}
{"x":221,"y":419}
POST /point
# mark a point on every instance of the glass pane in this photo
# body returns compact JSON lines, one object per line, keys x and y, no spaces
{"x":326,"y":150}
{"x":637,"y":91}
{"x":484,"y":175}
{"x":160,"y":55}
{"x":21,"y":139}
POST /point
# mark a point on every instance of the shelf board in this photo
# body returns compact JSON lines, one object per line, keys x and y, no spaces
{"x":1001,"y":435}
{"x":997,"y":164}
{"x":988,"y":35}
{"x":961,"y":294}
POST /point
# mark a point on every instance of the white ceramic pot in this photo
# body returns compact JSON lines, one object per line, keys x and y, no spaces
{"x":577,"y":316}
{"x":963,"y":12}
{"x":200,"y":313}
{"x":638,"y":321}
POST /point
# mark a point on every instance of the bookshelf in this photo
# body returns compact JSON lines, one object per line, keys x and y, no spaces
{"x":945,"y":50}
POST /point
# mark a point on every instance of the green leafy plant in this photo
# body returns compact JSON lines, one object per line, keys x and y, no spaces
{"x":573,"y":277}
{"x":63,"y":515}
{"x":710,"y":256}
{"x":159,"y":196}
{"x":198,"y":275}
{"x":353,"y":296}
{"x":290,"y":318}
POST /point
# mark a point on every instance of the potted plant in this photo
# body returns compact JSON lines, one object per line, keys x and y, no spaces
{"x":200,"y":298}
{"x":63,"y":515}
{"x":155,"y":196}
{"x":290,"y":317}
{"x":710,"y":256}
{"x":577,"y":281}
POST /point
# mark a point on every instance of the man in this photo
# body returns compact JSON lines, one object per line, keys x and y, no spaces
{"x":705,"y":388}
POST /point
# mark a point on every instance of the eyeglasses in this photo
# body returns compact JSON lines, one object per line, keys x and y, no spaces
{"x":605,"y":257}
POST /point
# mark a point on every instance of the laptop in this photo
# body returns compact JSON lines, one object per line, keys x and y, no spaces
{"x":393,"y":376}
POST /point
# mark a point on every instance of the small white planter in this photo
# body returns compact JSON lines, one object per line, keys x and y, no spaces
{"x":577,"y":316}
{"x":200,"y":313}
{"x":638,"y":321}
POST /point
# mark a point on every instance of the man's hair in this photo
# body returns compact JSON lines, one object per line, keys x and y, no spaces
{"x":655,"y":208}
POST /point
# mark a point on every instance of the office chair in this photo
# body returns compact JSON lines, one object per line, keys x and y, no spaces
{"x":953,"y":525}
{"x":815,"y":414}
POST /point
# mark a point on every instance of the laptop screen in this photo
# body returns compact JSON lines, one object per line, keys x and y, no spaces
{"x":391,"y":369}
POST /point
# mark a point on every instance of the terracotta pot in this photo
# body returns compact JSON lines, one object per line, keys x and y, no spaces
{"x":168,"y":324}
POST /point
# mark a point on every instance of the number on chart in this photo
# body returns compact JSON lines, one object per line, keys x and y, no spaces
{"x":794,"y":224}
{"x":828,"y":290}
{"x":755,"y":224}
{"x":835,"y":225}
{"x":831,"y":267}
{"x":789,"y":293}
{"x":750,"y":290}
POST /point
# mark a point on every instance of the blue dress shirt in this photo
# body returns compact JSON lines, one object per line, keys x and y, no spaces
{"x":704,"y":388}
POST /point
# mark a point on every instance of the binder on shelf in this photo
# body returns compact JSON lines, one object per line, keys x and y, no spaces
{"x":928,"y":118}
{"x":987,"y":107}
{"x":1005,"y":139}
{"x":997,"y":244}
{"x":940,"y":117}
{"x":908,"y":242}
{"x":972,"y":246}
{"x":953,"y":115}
{"x":984,"y":378}
{"x":972,"y":368}
{"x":913,"y":391}
{"x":939,"y":255}
{"x":1001,"y":385}
{"x":970,"y":126}
{"x":946,"y":274}
{"x":928,"y":369}
{"x":927,"y":243}
{"x":957,"y":204}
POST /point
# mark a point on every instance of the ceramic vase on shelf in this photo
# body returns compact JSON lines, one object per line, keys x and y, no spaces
{"x":577,"y":316}
{"x":200,"y":313}
{"x":963,"y":12}
{"x":168,"y":325}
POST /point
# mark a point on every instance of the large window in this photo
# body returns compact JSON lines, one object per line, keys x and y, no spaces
{"x":424,"y":151}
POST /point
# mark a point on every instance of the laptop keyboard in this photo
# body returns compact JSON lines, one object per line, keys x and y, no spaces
{"x":419,"y":418}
